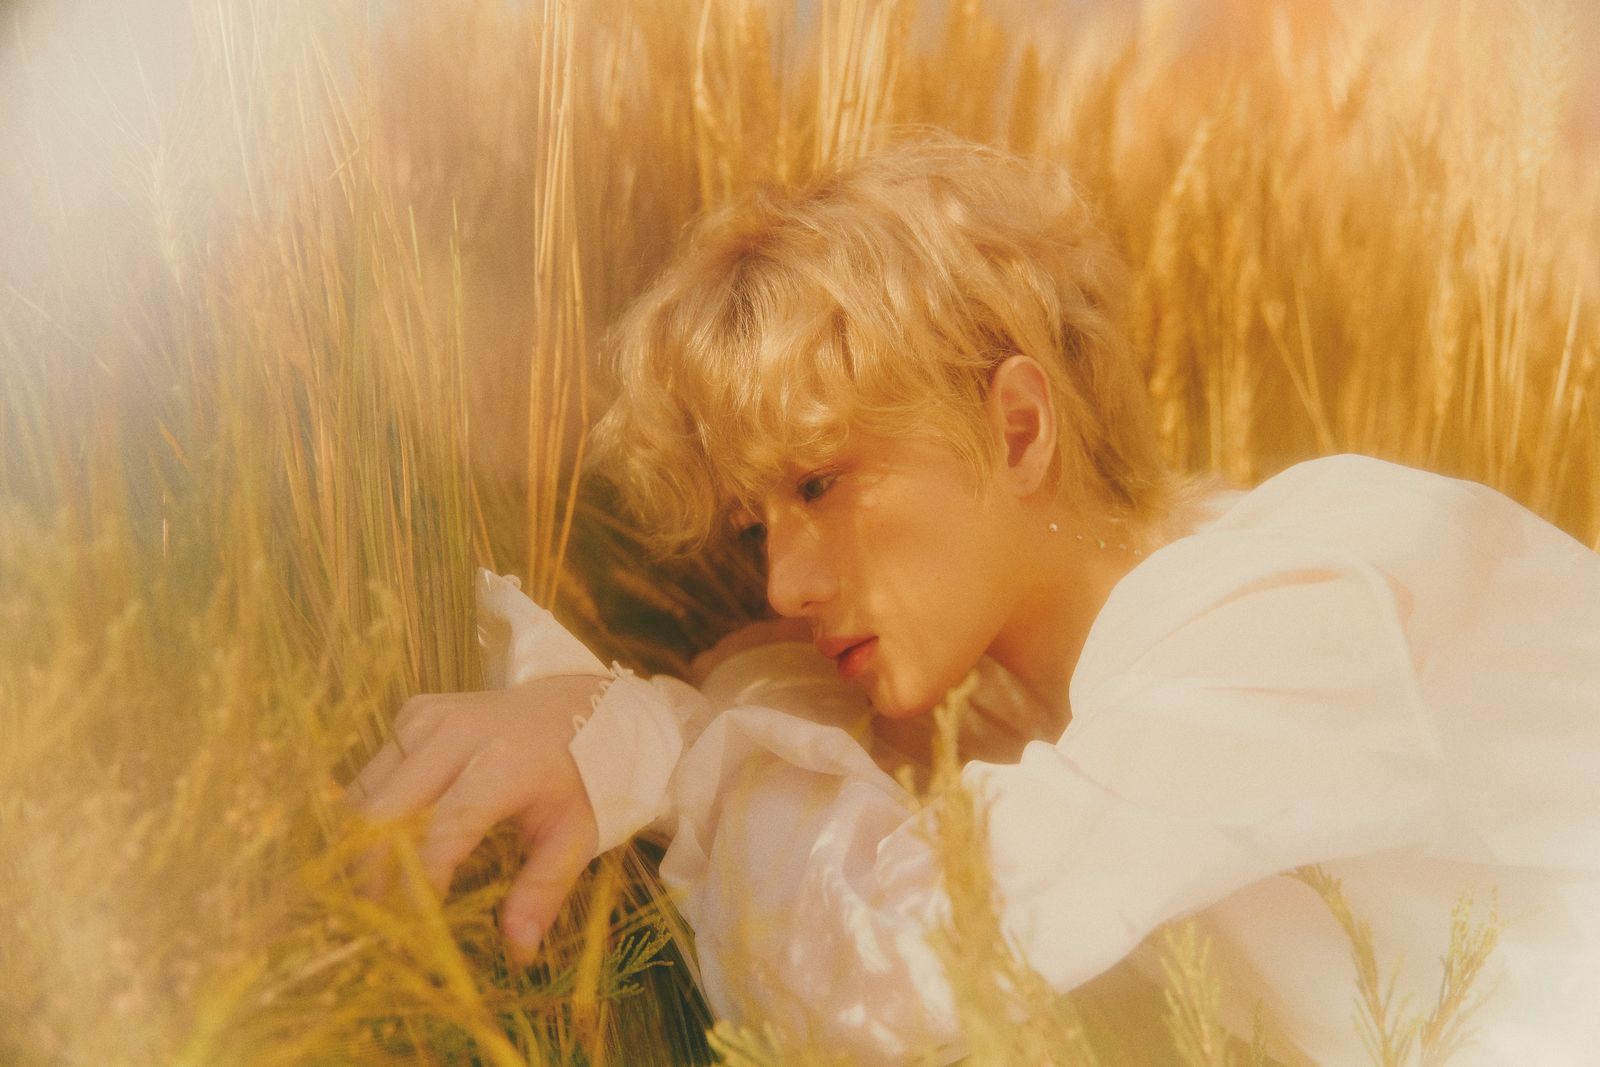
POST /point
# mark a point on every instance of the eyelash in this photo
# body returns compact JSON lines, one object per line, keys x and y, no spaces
{"x":812,"y":487}
{"x":809,"y":489}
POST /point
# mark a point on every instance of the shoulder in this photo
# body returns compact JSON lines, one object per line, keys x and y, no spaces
{"x":1372,"y":505}
{"x":1330,"y":546}
{"x":1278,"y":574}
{"x":1347,"y":495}
{"x":1231,"y":598}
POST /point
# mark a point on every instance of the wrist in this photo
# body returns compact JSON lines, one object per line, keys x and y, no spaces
{"x":626,"y":750}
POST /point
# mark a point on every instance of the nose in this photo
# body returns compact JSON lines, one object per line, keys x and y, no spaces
{"x":800,"y":574}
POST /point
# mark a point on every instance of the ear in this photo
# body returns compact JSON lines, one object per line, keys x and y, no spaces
{"x":1022,"y":418}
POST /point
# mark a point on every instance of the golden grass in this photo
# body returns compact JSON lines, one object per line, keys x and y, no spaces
{"x":339,"y":348}
{"x":1387,"y":1030}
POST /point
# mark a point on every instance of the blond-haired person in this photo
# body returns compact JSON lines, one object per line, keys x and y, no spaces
{"x":908,"y":382}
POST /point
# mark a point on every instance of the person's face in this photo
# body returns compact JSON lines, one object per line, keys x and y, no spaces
{"x":905,"y":572}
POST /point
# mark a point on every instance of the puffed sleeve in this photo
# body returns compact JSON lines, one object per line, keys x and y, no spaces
{"x":1244,"y":706}
{"x":628,"y":746}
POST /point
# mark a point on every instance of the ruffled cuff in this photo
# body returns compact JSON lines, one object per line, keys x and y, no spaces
{"x":522,"y":641}
{"x":629,"y":743}
{"x":626,"y":752}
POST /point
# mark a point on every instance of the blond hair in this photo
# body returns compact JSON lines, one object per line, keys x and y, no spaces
{"x":880,"y":296}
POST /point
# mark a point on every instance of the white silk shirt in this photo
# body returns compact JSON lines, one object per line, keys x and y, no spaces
{"x":1386,"y":672}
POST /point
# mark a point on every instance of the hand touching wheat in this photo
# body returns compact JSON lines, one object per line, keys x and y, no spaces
{"x":479,"y":759}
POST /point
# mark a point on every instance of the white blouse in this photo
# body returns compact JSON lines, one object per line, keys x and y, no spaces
{"x":1387,"y":672}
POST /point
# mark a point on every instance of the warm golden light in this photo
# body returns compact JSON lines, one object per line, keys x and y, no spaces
{"x":301,"y":308}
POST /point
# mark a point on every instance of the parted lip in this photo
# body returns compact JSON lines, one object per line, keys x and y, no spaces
{"x":834,"y":647}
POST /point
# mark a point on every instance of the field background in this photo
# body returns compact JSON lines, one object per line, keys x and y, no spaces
{"x":302,"y":311}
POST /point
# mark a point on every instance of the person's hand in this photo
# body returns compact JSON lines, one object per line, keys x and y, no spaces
{"x":761,"y":632}
{"x":478,"y":759}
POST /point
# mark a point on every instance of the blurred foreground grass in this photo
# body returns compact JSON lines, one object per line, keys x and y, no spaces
{"x":339,"y":348}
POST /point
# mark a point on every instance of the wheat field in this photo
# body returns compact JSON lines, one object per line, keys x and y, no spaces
{"x":313,"y":322}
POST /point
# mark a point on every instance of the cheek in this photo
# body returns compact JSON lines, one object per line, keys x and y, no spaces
{"x":942,"y":633}
{"x":963,"y":574}
{"x":933,"y":569}
{"x":939,"y":538}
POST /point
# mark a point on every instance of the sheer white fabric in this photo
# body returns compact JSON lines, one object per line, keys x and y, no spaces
{"x":1387,"y":672}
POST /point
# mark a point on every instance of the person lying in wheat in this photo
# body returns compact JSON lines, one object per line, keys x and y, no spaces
{"x":909,"y":382}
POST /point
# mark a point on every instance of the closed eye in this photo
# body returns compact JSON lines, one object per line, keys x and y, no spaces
{"x":747,"y":527}
{"x":813,"y":486}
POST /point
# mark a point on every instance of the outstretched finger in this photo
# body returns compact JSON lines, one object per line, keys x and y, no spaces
{"x":372,"y":776}
{"x":556,"y":859}
{"x":422,"y":713}
{"x":412,"y":731}
{"x":486,"y":791}
{"x":418,"y":780}
{"x":401,"y":785}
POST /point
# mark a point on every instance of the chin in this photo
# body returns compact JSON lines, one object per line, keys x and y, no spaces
{"x":899,"y":712}
{"x":908,"y":695}
{"x":891,"y":705}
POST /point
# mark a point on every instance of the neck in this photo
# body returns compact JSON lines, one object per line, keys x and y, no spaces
{"x":1067,"y":585}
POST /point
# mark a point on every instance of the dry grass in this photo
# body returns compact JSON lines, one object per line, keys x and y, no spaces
{"x":1388,"y":1030}
{"x":332,"y":344}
